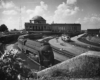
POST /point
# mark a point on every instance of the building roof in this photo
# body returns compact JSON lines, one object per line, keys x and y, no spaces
{"x":37,"y":18}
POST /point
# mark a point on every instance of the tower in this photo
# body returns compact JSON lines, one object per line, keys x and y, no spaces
{"x":20,"y":19}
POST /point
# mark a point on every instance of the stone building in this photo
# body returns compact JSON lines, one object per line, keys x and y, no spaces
{"x":66,"y":28}
{"x":38,"y":23}
{"x":93,"y":31}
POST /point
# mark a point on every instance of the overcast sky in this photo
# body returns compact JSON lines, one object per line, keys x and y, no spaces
{"x":85,"y":12}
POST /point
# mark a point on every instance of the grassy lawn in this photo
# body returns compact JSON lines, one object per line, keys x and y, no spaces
{"x":86,"y":47}
{"x":83,"y":39}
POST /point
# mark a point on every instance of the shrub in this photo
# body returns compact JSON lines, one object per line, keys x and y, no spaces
{"x":12,"y":67}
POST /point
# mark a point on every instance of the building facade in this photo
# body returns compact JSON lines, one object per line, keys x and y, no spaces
{"x":93,"y":31}
{"x":38,"y":23}
{"x":66,"y":28}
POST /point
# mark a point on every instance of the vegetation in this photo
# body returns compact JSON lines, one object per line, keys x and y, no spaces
{"x":12,"y":67}
{"x":3,"y":28}
{"x":83,"y":39}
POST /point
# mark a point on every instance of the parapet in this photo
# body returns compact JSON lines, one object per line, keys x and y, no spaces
{"x":86,"y":65}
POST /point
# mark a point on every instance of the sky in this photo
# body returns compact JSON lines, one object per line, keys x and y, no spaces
{"x":14,"y":13}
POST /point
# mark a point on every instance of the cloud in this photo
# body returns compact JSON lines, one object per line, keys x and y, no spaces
{"x":95,"y":19}
{"x":26,"y":14}
{"x":7,"y":5}
{"x":89,"y":22}
{"x":10,"y":22}
{"x":29,"y":11}
{"x":91,"y":19}
{"x":23,"y":9}
{"x":71,"y":1}
{"x":9,"y":12}
{"x":13,"y":22}
{"x":63,"y":11}
{"x":78,"y":20}
{"x":43,"y":5}
{"x":41,"y":10}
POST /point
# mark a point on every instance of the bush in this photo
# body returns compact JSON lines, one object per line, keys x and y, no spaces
{"x":12,"y":67}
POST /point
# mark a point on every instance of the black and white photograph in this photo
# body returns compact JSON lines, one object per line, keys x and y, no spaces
{"x":49,"y":39}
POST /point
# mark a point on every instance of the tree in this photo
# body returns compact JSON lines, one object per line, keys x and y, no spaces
{"x":14,"y":29}
{"x":3,"y":28}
